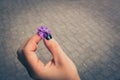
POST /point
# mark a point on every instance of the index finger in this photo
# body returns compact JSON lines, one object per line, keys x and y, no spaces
{"x":32,"y":43}
{"x":29,"y":50}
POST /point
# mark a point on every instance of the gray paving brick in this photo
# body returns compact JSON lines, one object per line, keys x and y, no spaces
{"x":90,"y":63}
{"x":117,"y":76}
{"x":106,"y":72}
{"x":111,"y":54}
{"x":88,"y":76}
{"x":95,"y":70}
{"x":104,"y":58}
{"x":116,"y":61}
{"x":111,"y":78}
{"x":113,"y":66}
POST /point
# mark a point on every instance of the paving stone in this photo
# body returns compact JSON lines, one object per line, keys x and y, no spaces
{"x":88,"y":76}
{"x":117,"y":76}
{"x":111,"y":77}
{"x":113,"y":66}
{"x":95,"y":70}
{"x":116,"y":61}
{"x":100,"y":77}
{"x":111,"y":54}
{"x":106,"y":72}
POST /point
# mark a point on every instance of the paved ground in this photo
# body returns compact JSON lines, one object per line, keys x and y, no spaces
{"x":87,"y":30}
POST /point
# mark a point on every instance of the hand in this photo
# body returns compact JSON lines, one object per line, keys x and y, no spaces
{"x":59,"y":68}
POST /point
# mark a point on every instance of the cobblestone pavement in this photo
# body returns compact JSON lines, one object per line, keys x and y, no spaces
{"x":87,"y":30}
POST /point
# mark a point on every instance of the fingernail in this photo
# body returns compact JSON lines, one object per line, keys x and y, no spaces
{"x":49,"y":37}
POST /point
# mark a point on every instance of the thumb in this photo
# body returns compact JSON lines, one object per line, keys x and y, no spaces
{"x":55,"y":49}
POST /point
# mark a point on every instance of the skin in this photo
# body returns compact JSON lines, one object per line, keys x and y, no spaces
{"x":59,"y":68}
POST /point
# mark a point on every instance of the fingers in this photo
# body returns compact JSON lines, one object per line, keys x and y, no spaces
{"x":55,"y":49}
{"x":29,"y":51}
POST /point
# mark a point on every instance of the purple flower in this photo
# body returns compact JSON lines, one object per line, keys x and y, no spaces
{"x":43,"y":31}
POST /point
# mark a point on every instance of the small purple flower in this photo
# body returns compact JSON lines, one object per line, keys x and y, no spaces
{"x":44,"y":32}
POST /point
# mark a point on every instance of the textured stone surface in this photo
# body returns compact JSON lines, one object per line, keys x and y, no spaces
{"x":87,"y":30}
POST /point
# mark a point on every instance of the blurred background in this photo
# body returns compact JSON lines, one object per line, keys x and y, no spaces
{"x":87,"y":30}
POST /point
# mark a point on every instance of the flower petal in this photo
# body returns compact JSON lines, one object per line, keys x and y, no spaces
{"x":43,"y":31}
